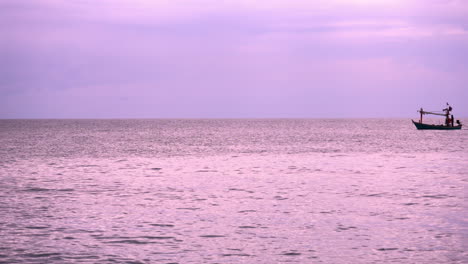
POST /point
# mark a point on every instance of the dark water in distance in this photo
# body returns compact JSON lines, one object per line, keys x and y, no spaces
{"x":232,"y":191}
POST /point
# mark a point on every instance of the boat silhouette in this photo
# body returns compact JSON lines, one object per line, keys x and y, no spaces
{"x":449,"y":120}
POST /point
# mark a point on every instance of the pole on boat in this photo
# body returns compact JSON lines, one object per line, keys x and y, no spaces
{"x":421,"y":111}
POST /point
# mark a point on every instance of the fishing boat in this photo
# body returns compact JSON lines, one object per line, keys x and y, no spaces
{"x":449,"y":120}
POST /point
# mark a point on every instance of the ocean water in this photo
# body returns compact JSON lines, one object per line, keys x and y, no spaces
{"x":232,"y":191}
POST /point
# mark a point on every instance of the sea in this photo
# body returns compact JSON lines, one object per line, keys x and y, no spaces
{"x":232,"y":191}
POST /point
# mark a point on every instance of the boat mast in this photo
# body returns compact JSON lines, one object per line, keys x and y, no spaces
{"x":448,"y":121}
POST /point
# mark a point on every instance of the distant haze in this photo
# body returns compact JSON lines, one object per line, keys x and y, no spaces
{"x":232,"y":59}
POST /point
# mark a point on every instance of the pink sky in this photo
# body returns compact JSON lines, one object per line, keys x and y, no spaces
{"x":215,"y":59}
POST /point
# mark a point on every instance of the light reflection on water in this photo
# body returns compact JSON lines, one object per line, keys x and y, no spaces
{"x":231,"y":191}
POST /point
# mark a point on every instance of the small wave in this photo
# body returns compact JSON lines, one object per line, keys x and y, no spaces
{"x":291,"y":253}
{"x":114,"y":259}
{"x":129,"y":241}
{"x":442,"y":235}
{"x":247,"y":211}
{"x":374,"y":195}
{"x":37,"y":227}
{"x":162,"y":225}
{"x":436,"y":196}
{"x":408,"y":204}
{"x":86,"y":165}
{"x":345,"y":228}
{"x":240,"y":190}
{"x":82,"y":257}
{"x":158,"y":237}
{"x":65,"y":190}
{"x":37,"y":189}
{"x":206,"y":171}
{"x":212,"y":236}
{"x":386,"y":249}
{"x":40,"y":255}
{"x":280,"y":198}
{"x":236,"y":255}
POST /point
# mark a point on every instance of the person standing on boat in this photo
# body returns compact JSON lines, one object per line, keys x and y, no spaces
{"x":447,"y":111}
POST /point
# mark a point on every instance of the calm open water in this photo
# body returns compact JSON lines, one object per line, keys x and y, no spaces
{"x":232,"y":191}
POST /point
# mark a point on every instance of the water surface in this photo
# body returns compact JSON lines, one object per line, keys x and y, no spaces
{"x":232,"y":191}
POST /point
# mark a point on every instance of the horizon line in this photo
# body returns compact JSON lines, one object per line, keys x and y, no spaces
{"x":201,"y":118}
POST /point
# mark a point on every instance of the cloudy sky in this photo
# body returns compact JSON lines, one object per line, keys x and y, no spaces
{"x":232,"y":59}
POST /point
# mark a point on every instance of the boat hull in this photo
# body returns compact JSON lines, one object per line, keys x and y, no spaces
{"x":435,"y":127}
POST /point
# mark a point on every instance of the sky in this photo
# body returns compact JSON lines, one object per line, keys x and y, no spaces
{"x":232,"y":59}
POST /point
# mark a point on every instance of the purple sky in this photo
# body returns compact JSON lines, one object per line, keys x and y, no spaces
{"x":239,"y":58}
